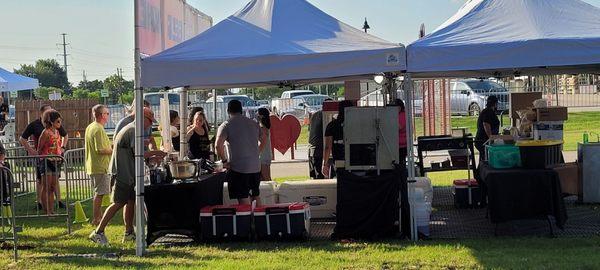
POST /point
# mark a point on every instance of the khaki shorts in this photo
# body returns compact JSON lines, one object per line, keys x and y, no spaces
{"x":101,"y":183}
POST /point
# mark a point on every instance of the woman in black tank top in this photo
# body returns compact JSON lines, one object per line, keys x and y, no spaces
{"x":197,"y":137}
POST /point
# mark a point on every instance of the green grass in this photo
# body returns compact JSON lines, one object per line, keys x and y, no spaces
{"x":48,"y":237}
{"x":574,"y":127}
{"x":291,"y":178}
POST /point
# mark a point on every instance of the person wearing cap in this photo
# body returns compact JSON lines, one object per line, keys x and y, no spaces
{"x":487,"y":125}
{"x":122,"y":170}
{"x":148,"y":139}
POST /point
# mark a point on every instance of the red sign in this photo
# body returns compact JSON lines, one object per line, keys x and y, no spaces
{"x":162,"y":24}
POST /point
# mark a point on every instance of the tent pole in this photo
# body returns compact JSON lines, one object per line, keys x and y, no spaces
{"x":408,"y":97}
{"x":183,"y":117}
{"x":140,"y":242}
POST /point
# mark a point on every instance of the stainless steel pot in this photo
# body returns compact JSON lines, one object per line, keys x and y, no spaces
{"x":183,"y":169}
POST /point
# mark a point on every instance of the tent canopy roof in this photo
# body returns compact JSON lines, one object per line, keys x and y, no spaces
{"x":11,"y":82}
{"x":504,"y":37}
{"x":270,"y":42}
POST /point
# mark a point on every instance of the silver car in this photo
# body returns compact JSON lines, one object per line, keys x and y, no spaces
{"x":468,"y":97}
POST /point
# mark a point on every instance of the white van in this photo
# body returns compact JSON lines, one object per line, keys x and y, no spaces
{"x":295,"y":93}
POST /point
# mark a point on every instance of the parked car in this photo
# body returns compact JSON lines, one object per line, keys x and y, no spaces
{"x":154,"y":98}
{"x":375,"y":98}
{"x":305,"y":105}
{"x":295,"y":93}
{"x":249,"y":105}
{"x":468,"y":97}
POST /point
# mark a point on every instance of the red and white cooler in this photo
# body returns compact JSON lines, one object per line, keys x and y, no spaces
{"x":226,"y":222}
{"x":285,"y":220}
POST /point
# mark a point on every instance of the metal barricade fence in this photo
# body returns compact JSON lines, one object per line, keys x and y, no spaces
{"x":27,"y":173}
{"x":80,"y":185}
{"x":8,"y":228}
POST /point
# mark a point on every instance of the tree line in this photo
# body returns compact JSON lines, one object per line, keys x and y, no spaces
{"x":53,"y":78}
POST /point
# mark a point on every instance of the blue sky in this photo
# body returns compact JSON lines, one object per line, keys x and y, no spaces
{"x":100,"y":32}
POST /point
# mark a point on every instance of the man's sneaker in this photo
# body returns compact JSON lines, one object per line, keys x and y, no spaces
{"x":98,"y":238}
{"x":128,"y":236}
{"x":61,"y":205}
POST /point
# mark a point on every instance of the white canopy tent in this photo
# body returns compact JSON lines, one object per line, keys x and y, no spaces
{"x":273,"y":42}
{"x":500,"y":38}
{"x":11,"y":82}
{"x":268,"y":42}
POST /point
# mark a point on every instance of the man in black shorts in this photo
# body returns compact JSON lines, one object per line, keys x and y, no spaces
{"x":33,"y":132}
{"x":242,"y":136}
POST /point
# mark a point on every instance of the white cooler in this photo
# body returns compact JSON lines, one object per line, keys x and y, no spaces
{"x":321,"y":195}
{"x":268,"y":193}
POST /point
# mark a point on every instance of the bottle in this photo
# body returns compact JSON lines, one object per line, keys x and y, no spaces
{"x":586,"y":138}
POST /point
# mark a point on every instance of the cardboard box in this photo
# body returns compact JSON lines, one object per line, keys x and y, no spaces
{"x":552,"y":114}
{"x":569,"y":178}
{"x":548,"y":130}
{"x":521,"y":101}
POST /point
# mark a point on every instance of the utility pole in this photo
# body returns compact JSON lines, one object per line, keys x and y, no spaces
{"x":64,"y":55}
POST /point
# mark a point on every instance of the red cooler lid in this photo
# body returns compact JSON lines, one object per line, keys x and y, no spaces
{"x":237,"y":207}
{"x":465,"y":182}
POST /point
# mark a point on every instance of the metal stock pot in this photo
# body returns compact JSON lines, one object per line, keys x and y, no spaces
{"x":183,"y":169}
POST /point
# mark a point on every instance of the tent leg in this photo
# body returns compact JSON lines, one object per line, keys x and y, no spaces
{"x":140,"y":224}
{"x":183,"y":117}
{"x":408,"y":97}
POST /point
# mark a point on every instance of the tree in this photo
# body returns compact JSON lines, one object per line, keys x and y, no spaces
{"x":80,"y":93}
{"x":117,"y":86}
{"x":43,"y":92}
{"x":48,"y":72}
{"x":91,"y":85}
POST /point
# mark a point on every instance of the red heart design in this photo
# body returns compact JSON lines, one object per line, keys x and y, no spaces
{"x":284,"y":132}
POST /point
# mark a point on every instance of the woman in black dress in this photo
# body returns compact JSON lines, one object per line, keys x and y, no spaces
{"x":197,"y":137}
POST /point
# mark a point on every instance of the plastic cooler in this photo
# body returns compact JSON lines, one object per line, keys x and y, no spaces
{"x":467,"y":193}
{"x":503,"y":156}
{"x":268,"y":193}
{"x":540,"y":154}
{"x":321,"y":195}
{"x":226,"y":222}
{"x":282,"y":221}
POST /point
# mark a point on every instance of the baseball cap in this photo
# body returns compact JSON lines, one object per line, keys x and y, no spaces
{"x":149,"y":114}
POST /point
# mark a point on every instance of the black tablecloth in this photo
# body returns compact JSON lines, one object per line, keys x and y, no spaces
{"x":523,"y":194}
{"x":175,"y":208}
{"x":367,"y":206}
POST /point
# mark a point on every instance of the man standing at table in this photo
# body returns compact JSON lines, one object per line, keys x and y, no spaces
{"x":97,"y":156}
{"x":242,"y":136}
{"x":122,"y":169}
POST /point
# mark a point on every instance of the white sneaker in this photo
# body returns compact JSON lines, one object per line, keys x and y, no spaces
{"x":98,"y":238}
{"x":127,"y":237}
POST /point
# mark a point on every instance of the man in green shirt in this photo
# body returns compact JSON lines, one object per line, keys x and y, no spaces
{"x":97,"y":156}
{"x":122,"y":169}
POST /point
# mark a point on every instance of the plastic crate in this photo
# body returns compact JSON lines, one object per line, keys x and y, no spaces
{"x":503,"y":156}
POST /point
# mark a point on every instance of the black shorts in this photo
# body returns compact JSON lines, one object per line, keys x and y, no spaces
{"x":47,"y":166}
{"x":242,"y":185}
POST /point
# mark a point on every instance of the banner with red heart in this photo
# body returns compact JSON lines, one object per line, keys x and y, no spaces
{"x":284,"y":132}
